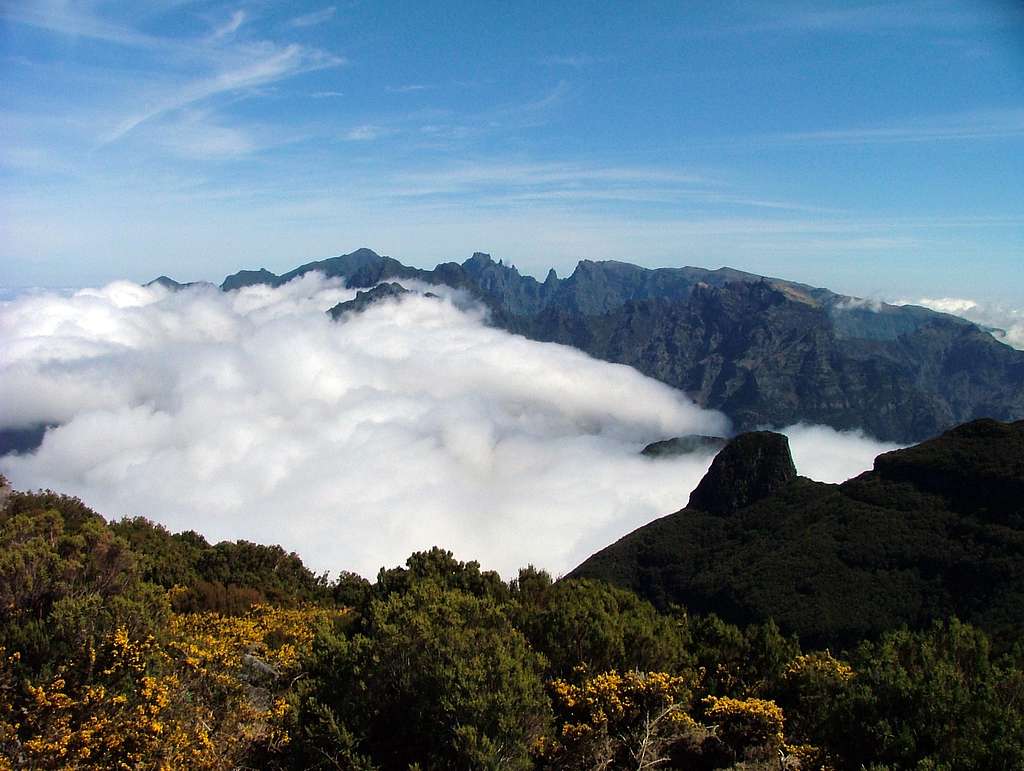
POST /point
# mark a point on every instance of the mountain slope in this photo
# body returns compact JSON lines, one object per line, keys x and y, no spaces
{"x":933,"y":530}
{"x":764,"y":351}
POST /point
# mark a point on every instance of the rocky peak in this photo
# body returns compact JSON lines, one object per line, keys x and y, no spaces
{"x":363,"y":300}
{"x":166,"y":282}
{"x":683,"y":445}
{"x":365,"y":252}
{"x":248,"y":278}
{"x":478,"y":261}
{"x":752,"y":466}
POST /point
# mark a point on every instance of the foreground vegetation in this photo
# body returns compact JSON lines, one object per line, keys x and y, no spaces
{"x":124,"y":646}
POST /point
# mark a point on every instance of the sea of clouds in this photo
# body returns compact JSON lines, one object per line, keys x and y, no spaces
{"x":250,"y":414}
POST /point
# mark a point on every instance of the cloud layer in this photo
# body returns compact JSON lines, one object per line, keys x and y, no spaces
{"x":1007,"y":323}
{"x":251,"y":415}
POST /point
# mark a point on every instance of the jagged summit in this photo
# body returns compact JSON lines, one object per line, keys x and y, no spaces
{"x":174,"y":286}
{"x":245,"y":278}
{"x":765,"y":351}
{"x":164,"y":281}
{"x":363,"y":300}
{"x":751,"y":467}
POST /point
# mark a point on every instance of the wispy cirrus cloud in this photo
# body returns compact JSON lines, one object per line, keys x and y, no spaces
{"x":551,"y":98}
{"x":230,"y":27}
{"x":877,"y":18}
{"x":966,"y":126}
{"x":197,"y":135}
{"x":177,"y":71}
{"x":408,"y":88}
{"x":366,"y":133}
{"x":76,"y":21}
{"x":270,"y":64}
{"x":576,"y":61}
{"x":313,"y":19}
{"x":504,"y":178}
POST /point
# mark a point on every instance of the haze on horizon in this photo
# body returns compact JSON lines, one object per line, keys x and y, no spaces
{"x":876,"y":149}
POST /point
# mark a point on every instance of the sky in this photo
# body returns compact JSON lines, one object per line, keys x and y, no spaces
{"x":251,"y":414}
{"x":873,"y":148}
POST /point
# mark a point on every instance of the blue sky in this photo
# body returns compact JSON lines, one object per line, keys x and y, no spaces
{"x":877,"y":149}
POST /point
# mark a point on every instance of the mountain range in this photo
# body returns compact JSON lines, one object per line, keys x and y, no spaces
{"x":765,"y":351}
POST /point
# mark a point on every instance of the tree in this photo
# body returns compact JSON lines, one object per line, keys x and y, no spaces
{"x":591,"y":623}
{"x":432,"y":676}
{"x":441,"y":567}
{"x":935,"y":698}
{"x":612,"y":720}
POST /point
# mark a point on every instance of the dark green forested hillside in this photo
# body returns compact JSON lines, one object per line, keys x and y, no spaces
{"x":934,"y":530}
{"x":125,"y":646}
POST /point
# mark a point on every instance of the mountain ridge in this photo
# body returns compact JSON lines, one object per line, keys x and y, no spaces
{"x":765,"y":351}
{"x":903,"y":543}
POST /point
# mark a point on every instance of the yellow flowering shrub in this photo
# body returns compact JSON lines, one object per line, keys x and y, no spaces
{"x":209,"y":695}
{"x":820,"y":665}
{"x":810,"y":688}
{"x":612,"y":716}
{"x":116,"y":720}
{"x":750,"y":727}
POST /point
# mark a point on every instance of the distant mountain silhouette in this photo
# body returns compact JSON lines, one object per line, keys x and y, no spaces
{"x":933,"y":530}
{"x":363,"y":300}
{"x":683,"y":445}
{"x":174,"y":286}
{"x":767,"y":352}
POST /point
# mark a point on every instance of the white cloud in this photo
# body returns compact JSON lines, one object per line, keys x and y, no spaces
{"x":267,"y":63}
{"x":365,"y":133}
{"x":827,"y":455}
{"x":408,"y":88}
{"x":230,"y":27}
{"x":197,"y":134}
{"x":74,"y":20}
{"x":967,"y":126}
{"x":1007,"y":322}
{"x":954,"y":305}
{"x":313,"y":19}
{"x":251,"y":415}
{"x":859,"y":303}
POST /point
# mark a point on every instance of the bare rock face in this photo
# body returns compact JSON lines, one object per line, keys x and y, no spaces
{"x":762,"y":350}
{"x":684,"y":445}
{"x":363,"y":300}
{"x":751,"y":467}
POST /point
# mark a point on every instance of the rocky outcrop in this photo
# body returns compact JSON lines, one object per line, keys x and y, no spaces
{"x":751,"y":467}
{"x":245,"y":278}
{"x":176,"y":286}
{"x":932,"y":531}
{"x":363,"y":300}
{"x":684,"y":445}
